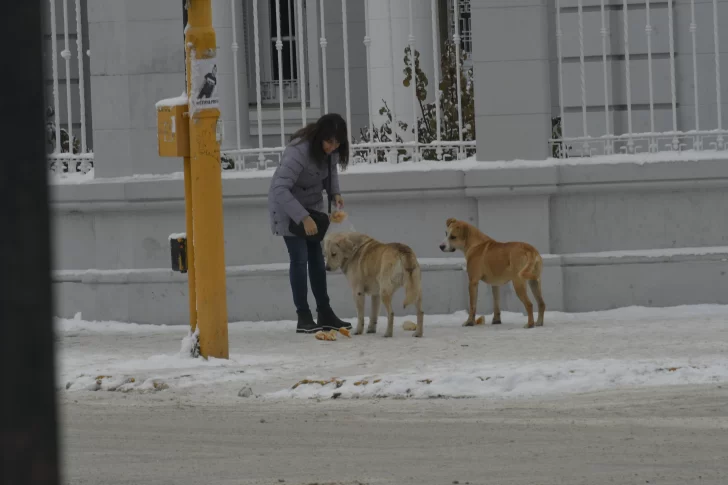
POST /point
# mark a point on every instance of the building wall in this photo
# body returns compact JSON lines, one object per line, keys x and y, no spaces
{"x":383,"y":52}
{"x":612,"y":235}
{"x":521,"y":84}
{"x":120,"y":59}
{"x":137,"y":59}
{"x":357,"y":64}
{"x":616,"y":66}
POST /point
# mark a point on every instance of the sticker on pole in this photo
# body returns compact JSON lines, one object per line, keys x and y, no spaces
{"x":204,"y":84}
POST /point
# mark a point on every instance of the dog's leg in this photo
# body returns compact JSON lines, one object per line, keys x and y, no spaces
{"x":536,"y":290}
{"x":496,"y":305}
{"x":473,"y":291}
{"x":359,"y":299}
{"x":374,"y":315}
{"x":387,"y":300}
{"x":420,"y":318}
{"x":520,"y":287}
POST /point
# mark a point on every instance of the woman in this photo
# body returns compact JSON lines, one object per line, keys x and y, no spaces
{"x":296,"y":187}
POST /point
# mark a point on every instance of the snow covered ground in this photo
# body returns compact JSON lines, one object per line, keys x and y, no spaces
{"x":630,"y":347}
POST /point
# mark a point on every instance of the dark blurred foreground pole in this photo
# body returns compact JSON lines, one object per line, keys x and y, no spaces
{"x":28,"y":435}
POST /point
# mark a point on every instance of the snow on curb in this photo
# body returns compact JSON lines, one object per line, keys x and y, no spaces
{"x":77,"y":325}
{"x":514,"y":381}
{"x":153,"y":374}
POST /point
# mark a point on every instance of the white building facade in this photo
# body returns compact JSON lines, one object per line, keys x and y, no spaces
{"x":132,"y":55}
{"x":639,"y":80}
{"x":313,"y":75}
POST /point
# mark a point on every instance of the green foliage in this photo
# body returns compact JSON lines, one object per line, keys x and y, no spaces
{"x":447,"y":94}
{"x":383,"y":134}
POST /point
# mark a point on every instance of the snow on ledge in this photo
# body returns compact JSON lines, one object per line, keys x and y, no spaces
{"x":70,"y":178}
{"x":180,"y":100}
{"x":78,"y":180}
{"x":466,"y":165}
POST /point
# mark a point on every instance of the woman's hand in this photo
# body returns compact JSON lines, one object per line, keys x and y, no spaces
{"x":339,"y":201}
{"x":310,"y":226}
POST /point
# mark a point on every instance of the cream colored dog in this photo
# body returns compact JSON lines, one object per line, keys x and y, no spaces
{"x":496,"y":263}
{"x":376,"y":269}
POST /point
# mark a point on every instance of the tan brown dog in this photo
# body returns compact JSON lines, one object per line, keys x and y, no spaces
{"x":376,"y":269}
{"x":496,"y":264}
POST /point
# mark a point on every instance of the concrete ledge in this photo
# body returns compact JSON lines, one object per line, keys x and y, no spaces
{"x":574,"y":282}
{"x":161,"y":275}
{"x":413,"y":181}
{"x":648,"y":256}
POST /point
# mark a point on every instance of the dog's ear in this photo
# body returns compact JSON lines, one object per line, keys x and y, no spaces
{"x":327,"y":242}
{"x":450,"y":221}
{"x":464,"y":231}
{"x":354,"y":241}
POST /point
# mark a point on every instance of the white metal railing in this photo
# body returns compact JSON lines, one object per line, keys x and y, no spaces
{"x":271,"y":91}
{"x":70,"y":151}
{"x":442,"y":124}
{"x":639,"y":106}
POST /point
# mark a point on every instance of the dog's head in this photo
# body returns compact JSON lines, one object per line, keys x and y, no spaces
{"x":339,"y":248}
{"x":456,"y":235}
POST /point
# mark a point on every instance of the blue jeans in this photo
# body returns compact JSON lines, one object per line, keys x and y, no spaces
{"x":307,"y":254}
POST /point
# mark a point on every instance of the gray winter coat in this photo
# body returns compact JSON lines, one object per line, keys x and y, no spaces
{"x":297,"y":185}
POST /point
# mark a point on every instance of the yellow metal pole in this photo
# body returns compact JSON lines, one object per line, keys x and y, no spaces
{"x":190,"y":244}
{"x":206,"y":182}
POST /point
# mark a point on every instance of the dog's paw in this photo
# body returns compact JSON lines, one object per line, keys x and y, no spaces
{"x":372,"y":330}
{"x":417,"y":334}
{"x":387,"y":335}
{"x":539,"y":324}
{"x":496,"y":322}
{"x":528,"y":325}
{"x":469,"y":323}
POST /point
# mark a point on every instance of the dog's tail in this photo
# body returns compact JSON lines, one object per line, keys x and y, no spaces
{"x":412,"y":276}
{"x":532,"y":269}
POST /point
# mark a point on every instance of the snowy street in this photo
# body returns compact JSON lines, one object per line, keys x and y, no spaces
{"x":658,"y":436}
{"x":627,"y":396}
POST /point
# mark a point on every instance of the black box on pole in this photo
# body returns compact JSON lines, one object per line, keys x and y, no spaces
{"x":178,"y":250}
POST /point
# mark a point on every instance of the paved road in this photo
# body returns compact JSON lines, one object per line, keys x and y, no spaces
{"x":660,"y":436}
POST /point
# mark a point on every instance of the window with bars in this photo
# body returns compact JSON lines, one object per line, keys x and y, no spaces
{"x":288,"y":37}
{"x":271,"y":79}
{"x":465,"y":25}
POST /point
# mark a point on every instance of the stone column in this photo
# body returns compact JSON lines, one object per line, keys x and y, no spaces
{"x":512,"y":81}
{"x":137,"y":58}
{"x":389,"y":32}
{"x":357,"y":62}
{"x":222,"y":20}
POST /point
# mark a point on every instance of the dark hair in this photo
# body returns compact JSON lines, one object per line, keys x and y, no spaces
{"x":329,"y":127}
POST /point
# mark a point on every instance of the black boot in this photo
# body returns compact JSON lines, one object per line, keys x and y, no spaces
{"x":329,"y":321}
{"x":306,"y":323}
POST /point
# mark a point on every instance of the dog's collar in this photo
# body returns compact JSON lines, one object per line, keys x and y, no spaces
{"x":345,"y":265}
